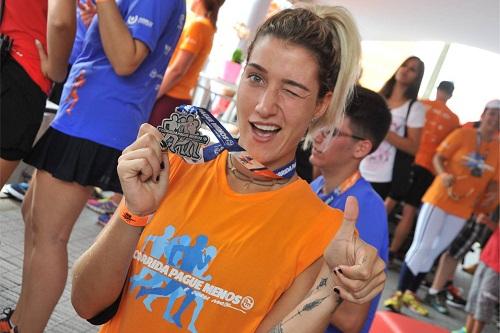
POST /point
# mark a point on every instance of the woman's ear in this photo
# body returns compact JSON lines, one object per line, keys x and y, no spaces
{"x":323,"y":105}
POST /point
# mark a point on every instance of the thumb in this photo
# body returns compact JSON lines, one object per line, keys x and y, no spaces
{"x":351,"y":212}
{"x":339,"y":249}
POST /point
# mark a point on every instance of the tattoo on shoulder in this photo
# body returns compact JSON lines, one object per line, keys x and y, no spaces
{"x":277,"y":329}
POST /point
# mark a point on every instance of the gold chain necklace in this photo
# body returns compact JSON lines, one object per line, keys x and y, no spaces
{"x":250,"y":180}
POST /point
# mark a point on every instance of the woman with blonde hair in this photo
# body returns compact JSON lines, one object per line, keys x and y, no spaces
{"x":276,"y":267}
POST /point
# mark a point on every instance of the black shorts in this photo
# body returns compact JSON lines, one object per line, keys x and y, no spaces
{"x":470,"y":233}
{"x":382,"y":189}
{"x":421,"y":179}
{"x":22,"y":104}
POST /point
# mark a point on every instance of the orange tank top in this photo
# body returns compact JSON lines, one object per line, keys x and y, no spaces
{"x":215,"y":260}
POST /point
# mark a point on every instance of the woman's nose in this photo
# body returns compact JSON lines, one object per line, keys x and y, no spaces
{"x":268,"y":103}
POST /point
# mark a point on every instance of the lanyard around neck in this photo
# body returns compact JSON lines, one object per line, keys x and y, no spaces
{"x":342,"y":188}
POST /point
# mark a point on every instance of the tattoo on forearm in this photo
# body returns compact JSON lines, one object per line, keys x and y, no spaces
{"x":277,"y":329}
{"x":322,"y":283}
{"x":307,"y":307}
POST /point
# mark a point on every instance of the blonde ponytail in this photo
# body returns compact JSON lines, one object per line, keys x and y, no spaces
{"x":347,"y":59}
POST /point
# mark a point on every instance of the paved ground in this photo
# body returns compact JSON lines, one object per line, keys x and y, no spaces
{"x":64,"y":318}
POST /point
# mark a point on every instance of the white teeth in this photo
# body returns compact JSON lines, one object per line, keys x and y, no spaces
{"x":266,"y":127}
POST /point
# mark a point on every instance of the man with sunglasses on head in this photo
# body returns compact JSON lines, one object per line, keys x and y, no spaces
{"x":336,"y":154}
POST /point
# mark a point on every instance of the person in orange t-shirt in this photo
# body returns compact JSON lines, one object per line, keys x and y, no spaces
{"x":190,"y":55}
{"x":229,"y":249}
{"x":466,"y":165}
{"x":439,"y":122}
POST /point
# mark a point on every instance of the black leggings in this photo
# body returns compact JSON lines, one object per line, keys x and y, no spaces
{"x":409,"y":281}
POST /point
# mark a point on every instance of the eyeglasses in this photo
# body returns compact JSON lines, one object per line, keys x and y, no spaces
{"x":337,"y":132}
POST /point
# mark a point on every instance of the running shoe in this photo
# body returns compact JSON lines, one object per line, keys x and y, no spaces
{"x":102,"y":206}
{"x":394,"y":303}
{"x":460,"y":330}
{"x":17,"y":191}
{"x":438,"y":302}
{"x":454,"y":297}
{"x":413,"y":303}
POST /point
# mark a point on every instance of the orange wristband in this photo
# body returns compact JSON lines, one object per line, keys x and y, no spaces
{"x":131,"y":219}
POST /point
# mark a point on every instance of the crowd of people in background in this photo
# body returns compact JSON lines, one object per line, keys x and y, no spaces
{"x":112,"y":67}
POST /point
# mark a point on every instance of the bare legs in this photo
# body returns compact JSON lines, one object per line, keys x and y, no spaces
{"x":50,"y":210}
{"x":445,"y":271}
{"x":6,"y":169}
{"x":474,"y":326}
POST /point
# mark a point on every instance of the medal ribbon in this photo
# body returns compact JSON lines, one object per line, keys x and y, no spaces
{"x":344,"y":186}
{"x":226,"y":142}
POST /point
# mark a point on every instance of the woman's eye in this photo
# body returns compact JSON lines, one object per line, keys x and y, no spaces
{"x":292,"y":93}
{"x":255,"y":78}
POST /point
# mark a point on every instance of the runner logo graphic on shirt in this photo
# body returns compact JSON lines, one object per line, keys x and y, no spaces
{"x":181,"y":275}
{"x":477,"y":164}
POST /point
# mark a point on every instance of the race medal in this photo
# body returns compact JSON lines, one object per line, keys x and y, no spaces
{"x":181,"y":135}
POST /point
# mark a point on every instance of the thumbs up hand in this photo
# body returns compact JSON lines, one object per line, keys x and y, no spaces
{"x":357,"y":271}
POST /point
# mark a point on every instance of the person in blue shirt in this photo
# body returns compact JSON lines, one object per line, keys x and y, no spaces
{"x":109,"y":93}
{"x":337,"y":154}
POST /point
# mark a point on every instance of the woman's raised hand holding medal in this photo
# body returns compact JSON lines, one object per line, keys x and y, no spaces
{"x":143,"y":170}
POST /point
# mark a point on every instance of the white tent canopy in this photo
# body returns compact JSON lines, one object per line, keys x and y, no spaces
{"x":473,"y":23}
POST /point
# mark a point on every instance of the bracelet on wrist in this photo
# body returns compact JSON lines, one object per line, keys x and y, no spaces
{"x":130,"y":218}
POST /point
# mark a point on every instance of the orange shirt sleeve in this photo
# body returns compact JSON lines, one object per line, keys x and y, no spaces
{"x":450,"y":144}
{"x":196,"y":35}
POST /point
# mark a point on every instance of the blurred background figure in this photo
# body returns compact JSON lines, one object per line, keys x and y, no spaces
{"x":408,"y":116}
{"x":27,"y":71}
{"x":189,"y":57}
{"x":109,"y":93}
{"x":484,"y":290}
{"x":439,"y":122}
{"x":466,"y":165}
